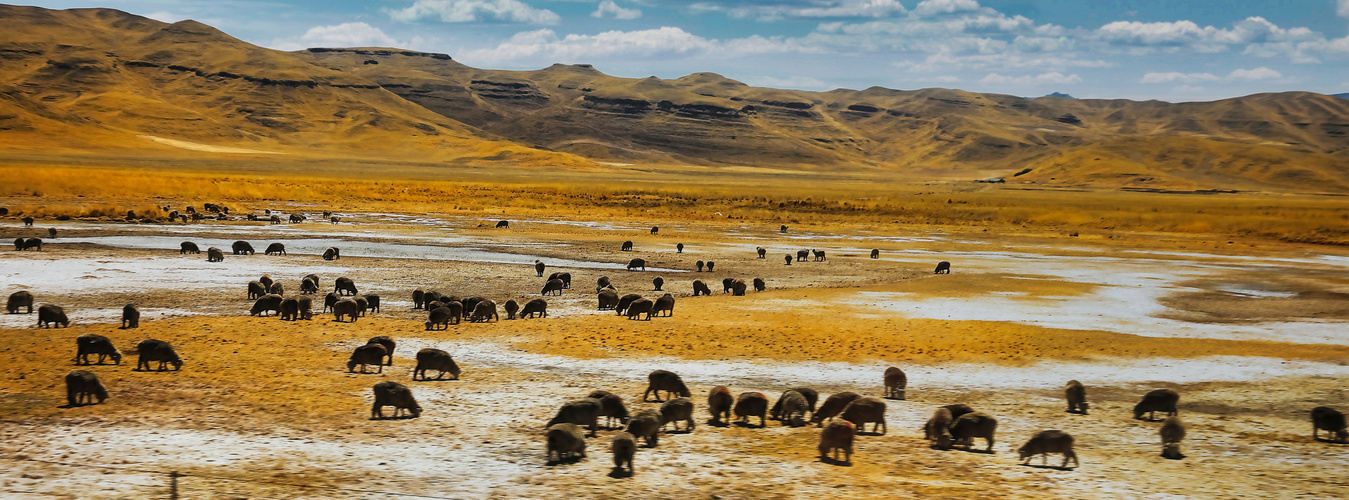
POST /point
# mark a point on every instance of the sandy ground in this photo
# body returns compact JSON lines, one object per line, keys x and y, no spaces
{"x":1252,"y":338}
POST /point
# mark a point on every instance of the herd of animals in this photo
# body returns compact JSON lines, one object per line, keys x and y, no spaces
{"x":845,"y":413}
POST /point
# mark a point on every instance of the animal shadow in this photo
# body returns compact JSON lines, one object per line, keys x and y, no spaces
{"x":564,"y":461}
{"x":76,"y":405}
{"x":1052,"y":467}
{"x":619,"y":472}
{"x":870,"y":433}
{"x":400,"y":417}
{"x":1331,"y":441}
{"x":717,"y":423}
{"x":1076,"y":412}
{"x":748,"y":425}
{"x":833,"y":461}
{"x":975,"y":450}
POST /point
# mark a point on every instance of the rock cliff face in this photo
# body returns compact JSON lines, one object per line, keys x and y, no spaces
{"x":89,"y":76}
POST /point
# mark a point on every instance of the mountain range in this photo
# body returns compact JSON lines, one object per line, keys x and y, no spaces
{"x":105,"y":82}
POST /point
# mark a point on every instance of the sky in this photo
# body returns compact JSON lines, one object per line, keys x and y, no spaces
{"x":1177,"y":50}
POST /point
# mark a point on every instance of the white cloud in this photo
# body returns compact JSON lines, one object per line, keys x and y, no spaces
{"x":165,"y":17}
{"x":545,"y":46}
{"x":1261,"y":73}
{"x":814,"y":9}
{"x":1342,"y":8}
{"x":461,"y":11}
{"x":932,"y":7}
{"x":610,"y":10}
{"x":1176,"y":76}
{"x":345,"y":35}
{"x":1248,"y":75}
{"x":1054,"y":78}
{"x":791,"y":82}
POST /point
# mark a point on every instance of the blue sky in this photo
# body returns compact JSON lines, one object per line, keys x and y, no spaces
{"x":1134,"y":49}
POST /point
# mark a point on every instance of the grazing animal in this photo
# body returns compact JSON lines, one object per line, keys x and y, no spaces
{"x":783,"y":229}
{"x":1045,"y":442}
{"x":972,"y":425}
{"x":645,"y":424}
{"x":665,"y":303}
{"x":330,"y":300}
{"x":602,"y":283}
{"x":49,"y":315}
{"x":276,"y":289}
{"x":430,"y":297}
{"x":276,"y":219}
{"x":654,"y":230}
{"x":674,"y":410}
{"x":505,"y":224}
{"x":214,"y":254}
{"x":700,"y":288}
{"x":624,"y":448}
{"x":335,"y":219}
{"x":639,"y":307}
{"x":372,"y":302}
{"x":511,"y":307}
{"x":711,"y":265}
{"x":863,"y":410}
{"x":275,"y":249}
{"x":789,"y":259}
{"x":791,"y":408}
{"x":27,"y":221}
{"x":309,"y":286}
{"x":485,"y":310}
{"x":662,"y":380}
{"x":131,"y":316}
{"x":1076,"y":395}
{"x":838,"y":436}
{"x":958,"y":409}
{"x":719,"y":402}
{"x":255,"y":290}
{"x":875,"y":253}
{"x":418,"y":298}
{"x":779,"y":408}
{"x":456,"y":311}
{"x":159,"y":351}
{"x":552,"y":286}
{"x":441,"y":316}
{"x":895,"y":382}
{"x":611,"y":407}
{"x":759,"y":285}
{"x":565,"y":441}
{"x":1173,"y":432}
{"x":305,"y":305}
{"x":270,"y":302}
{"x":763,"y":252}
{"x":539,"y":267}
{"x":584,"y":412}
{"x":608,"y":299}
{"x":738,"y":288}
{"x":636,"y":263}
{"x":938,"y":429}
{"x":626,"y":301}
{"x":332,"y":253}
{"x":832,"y":406}
{"x":679,"y":248}
{"x":83,"y":387}
{"x":658,"y":282}
{"x":727,"y":284}
{"x":33,"y":243}
{"x":802,"y":255}
{"x":627,"y":246}
{"x":565,"y":277}
{"x":1325,"y":418}
{"x":348,"y":308}
{"x":535,"y":307}
{"x":943,"y":267}
{"x":90,"y":344}
{"x":345,"y":284}
{"x":470,"y":305}
{"x":751,"y":404}
{"x":242,"y":247}
{"x":819,"y":255}
{"x":21,"y":298}
{"x":390,"y":393}
{"x":18,"y":244}
{"x":188,"y":247}
{"x":700,"y":265}
{"x":1155,"y":401}
{"x":369,"y":354}
{"x":388,"y":345}
{"x":435,"y":359}
{"x":296,"y":218}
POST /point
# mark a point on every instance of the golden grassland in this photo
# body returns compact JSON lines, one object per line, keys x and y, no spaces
{"x":675,"y":193}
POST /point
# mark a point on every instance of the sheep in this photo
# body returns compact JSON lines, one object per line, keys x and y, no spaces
{"x":584,"y":411}
{"x":759,"y":285}
{"x":389,"y":393}
{"x":266,"y":303}
{"x":441,"y":316}
{"x":156,"y":350}
{"x":1155,"y":401}
{"x":266,"y":282}
{"x":306,"y":308}
{"x":624,"y":448}
{"x":866,"y":409}
{"x":645,"y":424}
{"x":750,"y":404}
{"x":256,"y":289}
{"x":308,"y":286}
{"x":290,"y":309}
{"x":658,"y":282}
{"x":535,"y":307}
{"x":511,"y":308}
{"x":552,"y":286}
{"x":811,"y":395}
{"x":49,"y":315}
{"x":435,"y":359}
{"x":675,"y":410}
{"x":1045,"y":442}
{"x":664,"y":303}
{"x":388,"y":344}
{"x":131,"y":316}
{"x":566,"y":441}
{"x":895,"y":382}
{"x":418,"y":297}
{"x":639,"y":307}
{"x":938,"y":429}
{"x":276,"y":289}
{"x":700,"y":288}
{"x":1173,"y":432}
{"x":611,"y":407}
{"x":82,"y":387}
{"x":1328,"y":419}
{"x":626,"y":301}
{"x":958,"y":409}
{"x":973,"y":425}
{"x":837,"y":437}
{"x":369,"y":354}
{"x":608,"y":299}
{"x":95,"y":344}
{"x":483,"y":311}
{"x":832,"y":406}
{"x":662,"y":380}
{"x":372,"y":302}
{"x":1076,"y":394}
{"x":791,"y":409}
{"x":719,"y":401}
{"x":21,"y":298}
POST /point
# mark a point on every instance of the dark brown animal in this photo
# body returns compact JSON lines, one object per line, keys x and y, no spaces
{"x":388,"y":344}
{"x":505,"y":224}
{"x":759,"y":285}
{"x":276,"y":289}
{"x":943,"y":267}
{"x":418,"y":297}
{"x":627,"y":246}
{"x":895,"y":382}
{"x":972,"y":425}
{"x":674,"y":410}
{"x":751,"y":404}
{"x":662,"y":380}
{"x":214,"y":254}
{"x":608,"y":299}
{"x":938,"y":429}
{"x":330,"y":300}
{"x":83,"y":387}
{"x":863,"y":410}
{"x":1155,"y":401}
{"x":835,"y":438}
{"x":679,"y":248}
{"x":719,"y":402}
{"x":819,"y":255}
{"x":738,"y":288}
{"x":711,"y":265}
{"x":554,"y":286}
{"x":389,"y":393}
{"x":539,"y":267}
{"x":372,"y":302}
{"x":511,"y":307}
{"x":441,"y":316}
{"x":18,"y":244}
{"x":21,"y":298}
{"x":256,"y":290}
{"x":699,"y":265}
{"x":348,"y":308}
{"x":700,"y":288}
{"x":535,"y":307}
{"x":789,"y":259}
{"x":959,"y":409}
{"x":344,"y":284}
{"x":275,"y":249}
{"x":639,"y":307}
{"x":1173,"y":432}
{"x":131,"y":316}
{"x":485,"y":310}
{"x":832,"y":406}
{"x":49,"y":315}
{"x":27,"y":221}
{"x":727,"y":284}
{"x":369,"y":354}
{"x":664,"y":304}
{"x":91,"y":344}
{"x":242,"y":247}
{"x":1045,"y":442}
{"x":626,"y":301}
{"x":565,"y":441}
{"x":602,"y":283}
{"x":565,"y":277}
{"x":188,"y":247}
{"x":308,"y":286}
{"x":1076,"y":394}
{"x":305,"y":305}
{"x":791,"y":409}
{"x":624,"y":448}
{"x":332,"y":253}
{"x":636,"y":263}
{"x":470,"y":305}
{"x":645,"y":424}
{"x":812,"y":396}
{"x":658,"y":282}
{"x":33,"y":243}
{"x":159,"y":351}
{"x":435,"y":359}
{"x":802,"y":255}
{"x":763,"y":252}
{"x":1325,"y":418}
{"x":611,"y":408}
{"x":875,"y":253}
{"x":583,"y":412}
{"x":269,"y":302}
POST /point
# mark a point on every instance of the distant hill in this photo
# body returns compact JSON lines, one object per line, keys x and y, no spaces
{"x":1342,"y":96}
{"x":1060,"y":94}
{"x":88,"y":80}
